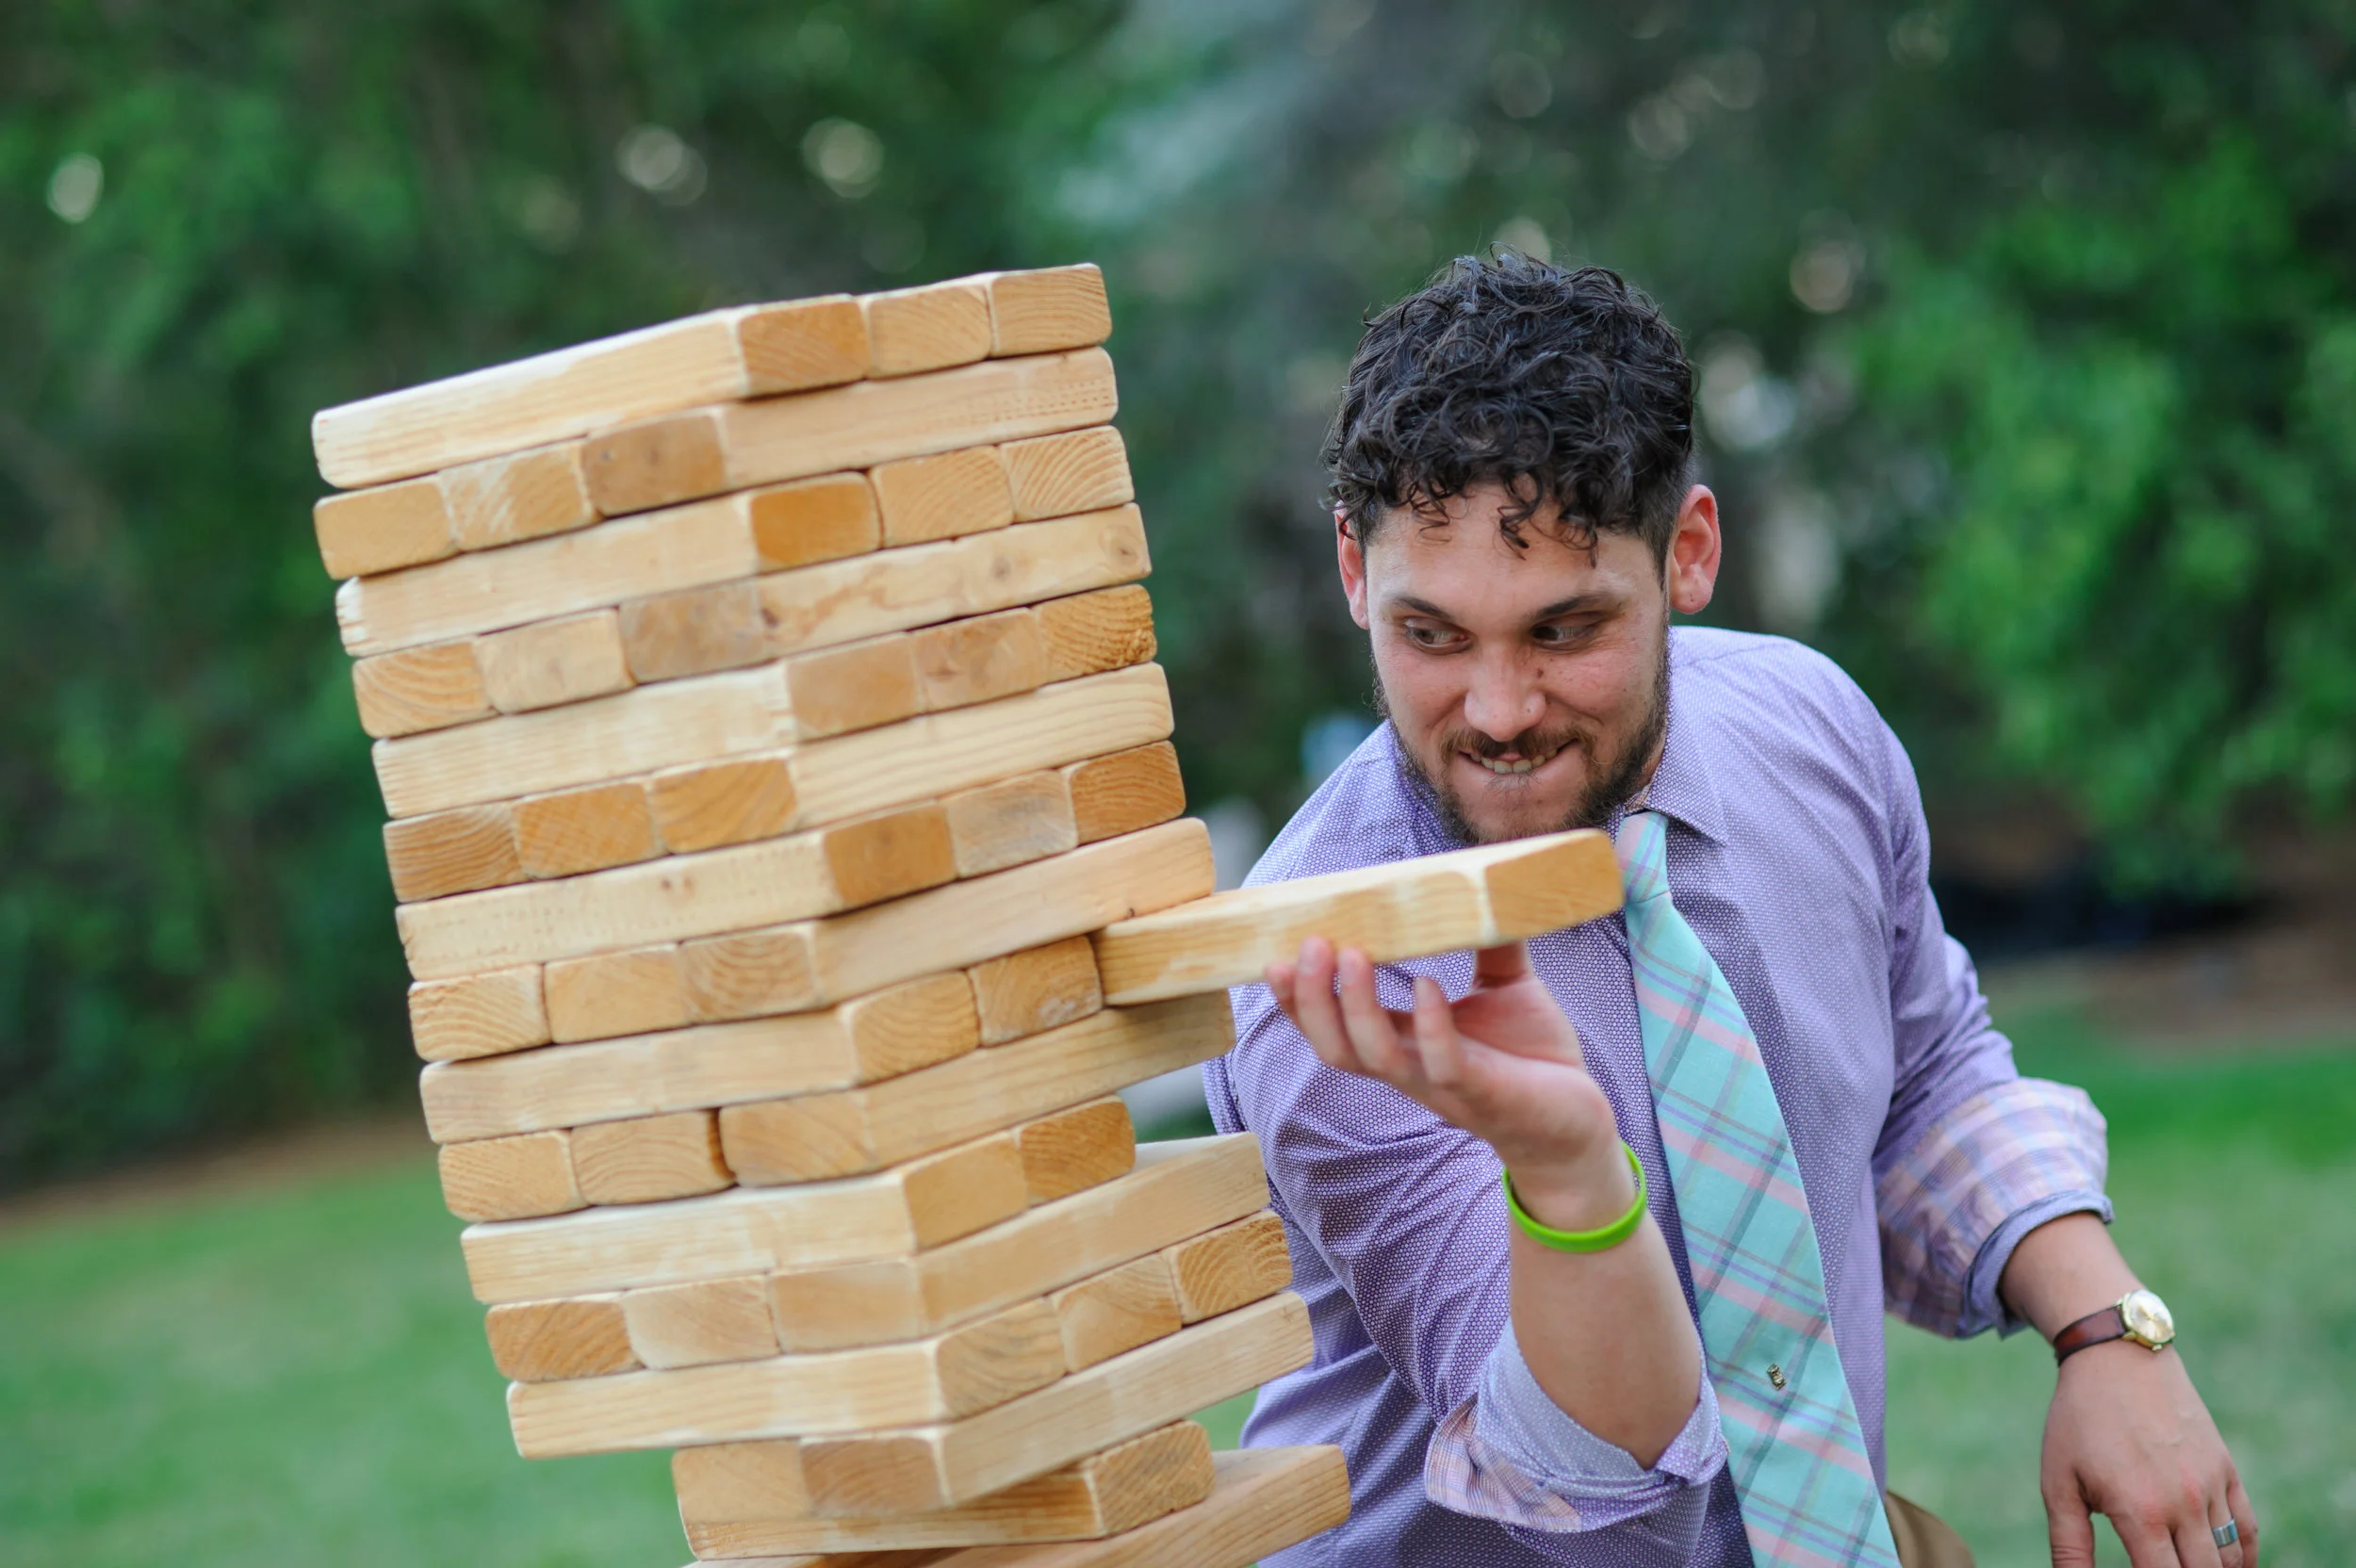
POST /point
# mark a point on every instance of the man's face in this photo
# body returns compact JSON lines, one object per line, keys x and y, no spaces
{"x":1529,"y":685}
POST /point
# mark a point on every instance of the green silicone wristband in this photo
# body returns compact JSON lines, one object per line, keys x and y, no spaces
{"x":1582,"y":1241}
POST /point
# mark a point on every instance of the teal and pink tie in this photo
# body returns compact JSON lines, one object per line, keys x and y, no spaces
{"x":1795,"y":1448}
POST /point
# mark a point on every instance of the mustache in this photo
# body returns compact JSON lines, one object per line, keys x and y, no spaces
{"x":1529,"y":743}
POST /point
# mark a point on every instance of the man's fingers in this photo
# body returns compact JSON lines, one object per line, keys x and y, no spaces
{"x":2246,"y":1517}
{"x":1501,"y":966}
{"x":2149,"y":1542}
{"x":1371,"y":1032}
{"x":1436,"y":1041}
{"x":1313,"y":1009}
{"x":2070,"y":1529}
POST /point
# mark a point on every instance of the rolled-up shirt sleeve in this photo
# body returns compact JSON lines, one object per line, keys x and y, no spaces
{"x":1508,"y":1452}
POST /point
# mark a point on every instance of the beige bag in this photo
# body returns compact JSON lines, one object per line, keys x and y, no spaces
{"x":1924,"y":1540}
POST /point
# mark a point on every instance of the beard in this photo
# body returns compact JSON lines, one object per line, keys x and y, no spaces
{"x":1615,"y":773}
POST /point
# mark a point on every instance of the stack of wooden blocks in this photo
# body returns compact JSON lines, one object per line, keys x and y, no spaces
{"x":766,"y":717}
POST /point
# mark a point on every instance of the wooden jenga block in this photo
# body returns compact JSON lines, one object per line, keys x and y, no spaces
{"x":615,"y":993}
{"x":694,"y":631}
{"x":1116,"y":1311}
{"x":955,"y":1374}
{"x":745,"y":1230}
{"x":1057,"y":475}
{"x":1226,"y":1268}
{"x":1178,"y":1190}
{"x":682,"y":896}
{"x":451,"y":852}
{"x":816,"y":1137}
{"x":749,"y":351}
{"x":1039,"y":989}
{"x":1104,"y":630}
{"x":894,"y":1031}
{"x":811,"y":520}
{"x":735,"y":445}
{"x":1048,"y":309}
{"x":647,"y":1159}
{"x":943,"y":496}
{"x":382,"y":529}
{"x":701,"y":1323}
{"x":1124,"y":791}
{"x":553,"y":663}
{"x":859,"y":686}
{"x":944,"y":1464}
{"x":1017,"y":820}
{"x":980,"y":658}
{"x":1072,"y":1151}
{"x":527,"y":494}
{"x":481,"y":1015}
{"x":542,"y":1340}
{"x":418,"y":689}
{"x":510,"y":1178}
{"x":931,"y":327}
{"x":575,"y":831}
{"x":750,"y":974}
{"x":739,"y":1499}
{"x":1467,"y":898}
{"x":714,"y":804}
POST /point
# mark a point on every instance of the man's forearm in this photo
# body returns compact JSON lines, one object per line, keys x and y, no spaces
{"x":2064,"y":1269}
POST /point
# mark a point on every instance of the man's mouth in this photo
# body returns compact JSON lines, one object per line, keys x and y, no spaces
{"x":1512,"y":763}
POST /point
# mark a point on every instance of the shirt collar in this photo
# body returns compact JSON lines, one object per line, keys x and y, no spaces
{"x":1681,"y":788}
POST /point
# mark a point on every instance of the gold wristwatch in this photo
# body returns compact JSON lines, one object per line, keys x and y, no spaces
{"x":2139,"y":1315}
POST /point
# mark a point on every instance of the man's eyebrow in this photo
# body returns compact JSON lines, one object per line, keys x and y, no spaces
{"x":1576,"y":603}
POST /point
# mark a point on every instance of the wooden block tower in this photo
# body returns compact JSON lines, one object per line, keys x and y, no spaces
{"x":765,"y":710}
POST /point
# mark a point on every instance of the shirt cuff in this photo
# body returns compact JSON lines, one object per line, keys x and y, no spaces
{"x":1984,"y":1306}
{"x":1510,"y":1453}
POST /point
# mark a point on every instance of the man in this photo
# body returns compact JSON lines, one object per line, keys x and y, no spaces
{"x":1733,"y":1121}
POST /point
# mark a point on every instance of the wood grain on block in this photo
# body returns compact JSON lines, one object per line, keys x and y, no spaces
{"x":1048,"y":308}
{"x":1037,"y":990}
{"x":1467,"y":898}
{"x":810,"y":520}
{"x":744,"y":1230}
{"x":1014,"y":820}
{"x":931,"y":328}
{"x":1125,"y":790}
{"x":747,"y":1500}
{"x":747,"y":352}
{"x":510,"y":1178}
{"x":694,"y":631}
{"x":1072,"y":1151}
{"x":952,"y":1375}
{"x":816,"y":1137}
{"x":857,"y":686}
{"x":452,"y":852}
{"x":714,"y":804}
{"x":1177,"y":1190}
{"x":1231,"y":1267}
{"x":980,"y":658}
{"x":1104,"y":630}
{"x":536,"y":1342}
{"x":872,"y":1037}
{"x":418,"y":689}
{"x":736,"y":446}
{"x":527,"y":494}
{"x":942,"y":497}
{"x":943,"y":1464}
{"x":575,"y":831}
{"x":1057,"y":475}
{"x":1116,"y":1311}
{"x":615,"y":993}
{"x":553,"y":663}
{"x":482,"y":1015}
{"x":701,"y":1323}
{"x":382,"y":530}
{"x":751,"y":974}
{"x":648,"y":1159}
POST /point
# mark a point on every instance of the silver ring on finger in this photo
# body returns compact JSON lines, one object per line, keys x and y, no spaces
{"x":2227,"y":1533}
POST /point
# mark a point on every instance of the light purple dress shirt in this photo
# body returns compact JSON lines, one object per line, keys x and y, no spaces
{"x":1798,"y":854}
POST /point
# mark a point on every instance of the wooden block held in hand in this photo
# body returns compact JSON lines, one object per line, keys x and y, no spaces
{"x":1116,"y":1311}
{"x":942,"y":497}
{"x":536,"y":1342}
{"x":1010,"y":822}
{"x":980,"y":658}
{"x":517,"y":1177}
{"x":615,"y":993}
{"x":712,"y":804}
{"x":1107,"y":630}
{"x":811,"y":520}
{"x":1057,"y":475}
{"x":477,"y":1015}
{"x":1125,"y":790}
{"x":1050,"y":308}
{"x":647,"y":1159}
{"x":1037,"y":990}
{"x":931,"y":328}
{"x":1072,"y":1151}
{"x":527,"y":494}
{"x":701,"y":1323}
{"x":418,"y":689}
{"x":451,"y":852}
{"x":382,"y":529}
{"x":1231,"y":1267}
{"x":575,"y":831}
{"x":694,"y":631}
{"x":554,"y":662}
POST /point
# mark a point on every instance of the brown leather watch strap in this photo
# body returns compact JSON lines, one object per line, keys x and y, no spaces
{"x":2095,"y":1328}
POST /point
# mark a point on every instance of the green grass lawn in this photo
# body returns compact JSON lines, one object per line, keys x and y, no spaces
{"x":301,"y":1377}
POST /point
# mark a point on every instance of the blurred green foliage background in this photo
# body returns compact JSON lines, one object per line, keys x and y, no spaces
{"x":2027,"y":338}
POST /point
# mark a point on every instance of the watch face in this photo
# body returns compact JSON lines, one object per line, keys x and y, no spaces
{"x":2148,"y":1319}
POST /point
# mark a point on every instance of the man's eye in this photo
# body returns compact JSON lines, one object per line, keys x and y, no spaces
{"x":1429,"y":636}
{"x":1551,"y":635}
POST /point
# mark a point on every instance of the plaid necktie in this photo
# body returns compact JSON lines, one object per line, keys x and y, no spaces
{"x":1794,"y":1446}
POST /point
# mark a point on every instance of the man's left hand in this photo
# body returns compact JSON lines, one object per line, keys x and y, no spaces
{"x":2129,"y":1437}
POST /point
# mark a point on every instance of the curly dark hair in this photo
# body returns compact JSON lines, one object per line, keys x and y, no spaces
{"x":1565,"y":386}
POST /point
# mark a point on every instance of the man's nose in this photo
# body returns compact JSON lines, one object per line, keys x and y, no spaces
{"x":1504,"y":701}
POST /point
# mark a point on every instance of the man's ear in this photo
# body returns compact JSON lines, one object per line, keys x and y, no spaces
{"x":1694,"y":551}
{"x":1350,"y":556}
